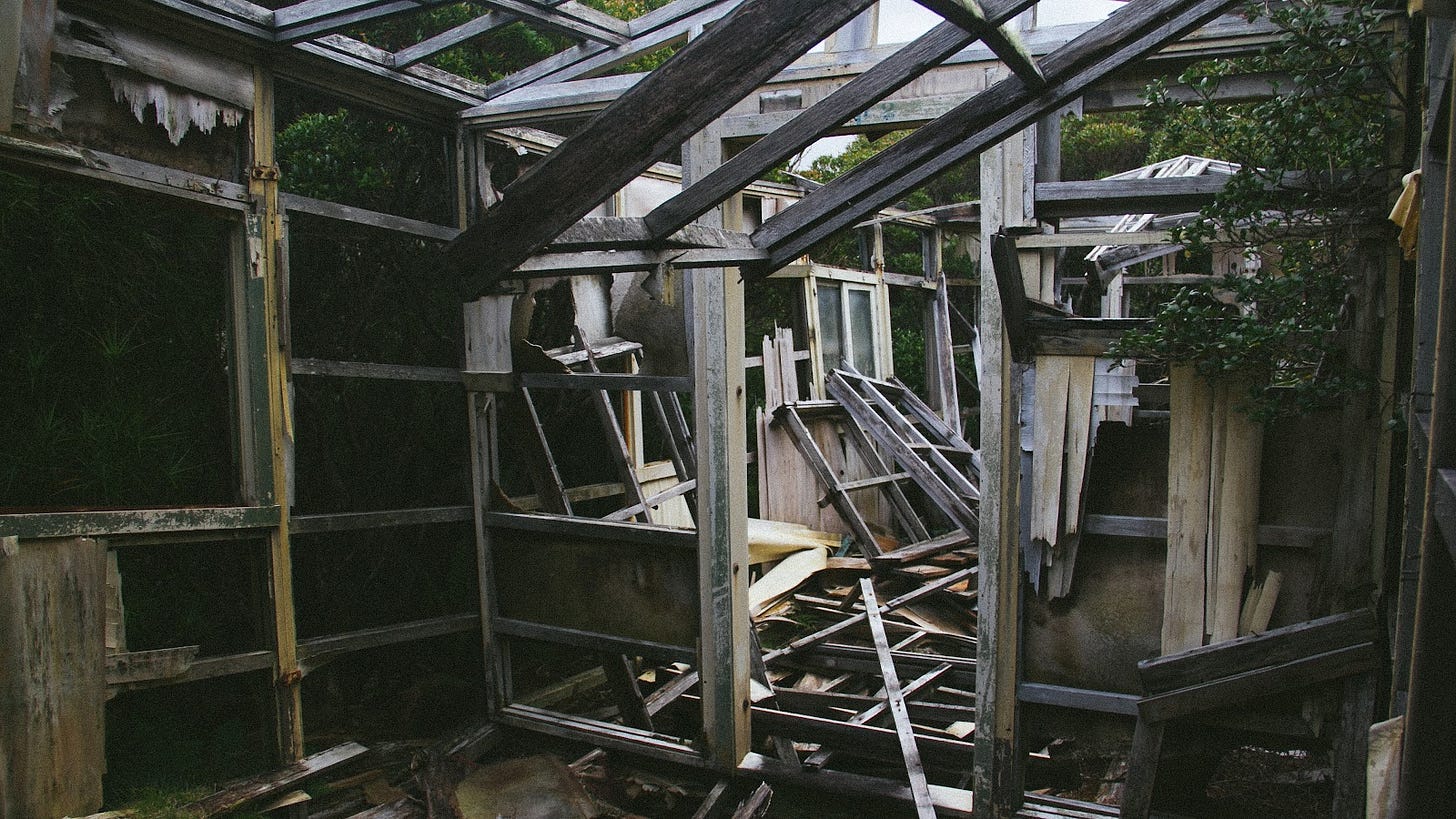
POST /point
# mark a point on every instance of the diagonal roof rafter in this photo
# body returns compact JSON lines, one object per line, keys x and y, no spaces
{"x":853,"y":98}
{"x":649,"y":121}
{"x":1135,"y":31}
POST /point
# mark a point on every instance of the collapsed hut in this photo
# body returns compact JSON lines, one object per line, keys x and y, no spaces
{"x":465,"y":438}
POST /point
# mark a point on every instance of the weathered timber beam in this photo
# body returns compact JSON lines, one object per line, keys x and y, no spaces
{"x":895,"y":701}
{"x":582,"y":262}
{"x":316,"y":651}
{"x":355,"y":521}
{"x":650,"y":32}
{"x":1083,"y":699}
{"x":446,"y":40}
{"x":593,"y":640}
{"x":623,"y":233}
{"x":660,"y":113}
{"x":366,"y":217}
{"x":858,"y":94}
{"x":989,"y":117}
{"x":1005,"y":42}
{"x":137,"y":522}
{"x":601,"y":734}
{"x":569,"y":17}
{"x":1156,"y":528}
{"x":949,"y":802}
{"x":382,"y":372}
{"x":1105,"y":197}
{"x":255,"y":788}
{"x":305,"y":21}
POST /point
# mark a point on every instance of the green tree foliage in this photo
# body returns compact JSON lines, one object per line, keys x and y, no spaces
{"x":1314,"y":161}
{"x":1100,"y":145}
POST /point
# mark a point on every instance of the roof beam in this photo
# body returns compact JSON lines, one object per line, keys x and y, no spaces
{"x":315,"y":18}
{"x":853,"y":98}
{"x":649,"y":32}
{"x":660,"y":113}
{"x":446,"y":40}
{"x":569,"y":17}
{"x":972,"y":127}
{"x":1004,"y":41}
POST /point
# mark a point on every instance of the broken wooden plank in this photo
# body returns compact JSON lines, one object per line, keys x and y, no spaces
{"x":896,"y":702}
{"x":1049,"y":448}
{"x":1184,"y":591}
{"x":799,"y":435}
{"x":756,"y":804}
{"x":950,"y":802}
{"x":252,"y":789}
{"x":127,"y":668}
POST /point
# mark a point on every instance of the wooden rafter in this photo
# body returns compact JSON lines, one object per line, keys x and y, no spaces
{"x":987,"y":118}
{"x":315,"y":18}
{"x":569,"y":17}
{"x":651,"y":120}
{"x":976,"y":18}
{"x":650,"y":32}
{"x":857,"y":95}
{"x":445,"y":40}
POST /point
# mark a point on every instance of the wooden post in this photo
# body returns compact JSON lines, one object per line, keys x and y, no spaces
{"x":52,"y":677}
{"x":487,"y":349}
{"x":10,"y":26}
{"x":1189,"y":462}
{"x":998,"y":765}
{"x":715,"y":299}
{"x":940,"y":382}
{"x":266,"y":228}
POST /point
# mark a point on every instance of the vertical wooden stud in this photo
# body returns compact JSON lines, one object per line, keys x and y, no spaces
{"x":715,"y":298}
{"x":998,"y":770}
{"x":268,"y":227}
{"x":1190,"y":434}
{"x":487,"y":324}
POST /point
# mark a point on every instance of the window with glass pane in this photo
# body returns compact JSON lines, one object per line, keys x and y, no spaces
{"x":861,"y":331}
{"x":831,"y":325}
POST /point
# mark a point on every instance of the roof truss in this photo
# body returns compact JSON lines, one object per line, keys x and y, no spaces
{"x":653,"y":117}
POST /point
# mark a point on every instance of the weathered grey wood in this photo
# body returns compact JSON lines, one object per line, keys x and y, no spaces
{"x":126,"y":668}
{"x":895,"y":701}
{"x":929,"y":478}
{"x":918,"y":551}
{"x":830,"y":703}
{"x":617,"y":444}
{"x":1011,"y":286}
{"x":804,"y":442}
{"x":982,"y":121}
{"x":1105,"y":702}
{"x":1156,"y":528}
{"x":1003,"y":40}
{"x":638,"y":533}
{"x":593,"y":640}
{"x":756,"y":804}
{"x":315,"y":651}
{"x":369,"y":218}
{"x":646,"y":123}
{"x":1352,"y":744}
{"x":860,"y":739}
{"x":570,"y":18}
{"x":899,"y":503}
{"x":856,"y":95}
{"x":1078,"y":336}
{"x":253,"y":789}
{"x":949,"y":802}
{"x":622,"y":680}
{"x":137,"y":522}
{"x":713,"y":803}
{"x":905,"y":599}
{"x":355,"y":521}
{"x":305,"y":21}
{"x":52,"y":676}
{"x":601,"y":381}
{"x":131,"y":173}
{"x":360,"y":369}
{"x":1142,"y":769}
{"x":446,"y":40}
{"x":1102,"y":197}
{"x":655,"y":500}
{"x":582,"y":262}
{"x":1273,"y":679}
{"x":536,"y":451}
{"x":650,"y":32}
{"x":601,"y":734}
{"x":1280,"y":645}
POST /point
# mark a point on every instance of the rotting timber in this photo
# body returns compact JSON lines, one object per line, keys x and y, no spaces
{"x":920,"y":668}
